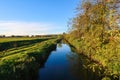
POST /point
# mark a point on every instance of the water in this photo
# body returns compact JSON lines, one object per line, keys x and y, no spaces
{"x":63,"y":64}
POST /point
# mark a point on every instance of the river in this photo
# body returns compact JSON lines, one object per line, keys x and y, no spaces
{"x":64,"y":64}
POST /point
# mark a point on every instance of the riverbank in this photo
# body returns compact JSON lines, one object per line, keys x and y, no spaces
{"x":23,"y":63}
{"x":104,"y":57}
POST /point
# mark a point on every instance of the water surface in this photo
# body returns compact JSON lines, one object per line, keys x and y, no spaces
{"x":63,"y":64}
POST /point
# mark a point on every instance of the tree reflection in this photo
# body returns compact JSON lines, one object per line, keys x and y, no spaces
{"x":81,"y":68}
{"x":59,"y":45}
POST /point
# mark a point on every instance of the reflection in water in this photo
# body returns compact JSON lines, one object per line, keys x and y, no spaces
{"x":78,"y":67}
{"x":63,"y":64}
{"x":56,"y":67}
{"x":59,"y":45}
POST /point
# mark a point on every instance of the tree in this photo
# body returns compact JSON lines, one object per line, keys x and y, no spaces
{"x":95,"y":18}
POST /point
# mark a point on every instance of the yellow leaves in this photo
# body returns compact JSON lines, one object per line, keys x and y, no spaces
{"x":110,"y":1}
{"x":106,"y":78}
{"x":96,"y":26}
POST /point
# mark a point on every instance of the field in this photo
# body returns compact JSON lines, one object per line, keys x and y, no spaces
{"x":17,"y":62}
{"x":2,"y":40}
{"x":7,"y":43}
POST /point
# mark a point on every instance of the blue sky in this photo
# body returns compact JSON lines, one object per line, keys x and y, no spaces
{"x":27,"y":17}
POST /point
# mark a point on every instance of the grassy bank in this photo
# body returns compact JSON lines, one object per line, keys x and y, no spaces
{"x":95,"y":32}
{"x":106,"y":56}
{"x":23,"y":63}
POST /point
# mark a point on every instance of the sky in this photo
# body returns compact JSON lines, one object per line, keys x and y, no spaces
{"x":35,"y":17}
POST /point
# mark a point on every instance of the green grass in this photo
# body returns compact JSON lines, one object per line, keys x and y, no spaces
{"x":16,"y":62}
{"x":15,"y":39}
{"x":7,"y":43}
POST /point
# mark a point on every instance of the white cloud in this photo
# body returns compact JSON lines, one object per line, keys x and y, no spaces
{"x":28,"y":28}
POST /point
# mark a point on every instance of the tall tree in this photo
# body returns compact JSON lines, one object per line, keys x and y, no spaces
{"x":95,"y":17}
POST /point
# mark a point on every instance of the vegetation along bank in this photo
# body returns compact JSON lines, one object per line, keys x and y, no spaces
{"x":95,"y":32}
{"x":22,"y":63}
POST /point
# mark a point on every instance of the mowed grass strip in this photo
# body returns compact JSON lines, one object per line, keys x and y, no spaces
{"x":7,"y":43}
{"x":2,"y":40}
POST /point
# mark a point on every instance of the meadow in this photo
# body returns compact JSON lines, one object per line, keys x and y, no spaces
{"x":7,"y":43}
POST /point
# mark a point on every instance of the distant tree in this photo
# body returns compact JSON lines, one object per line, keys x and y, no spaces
{"x":12,"y":35}
{"x":4,"y":36}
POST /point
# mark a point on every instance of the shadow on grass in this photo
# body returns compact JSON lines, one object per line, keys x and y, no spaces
{"x":14,"y":44}
{"x":28,"y":69}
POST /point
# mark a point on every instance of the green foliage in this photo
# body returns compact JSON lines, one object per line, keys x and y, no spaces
{"x":95,"y":33}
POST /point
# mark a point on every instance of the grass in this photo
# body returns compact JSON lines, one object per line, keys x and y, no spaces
{"x":7,"y":43}
{"x":16,"y":63}
{"x":15,"y":39}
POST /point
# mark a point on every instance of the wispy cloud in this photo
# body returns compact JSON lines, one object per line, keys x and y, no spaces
{"x":28,"y":28}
